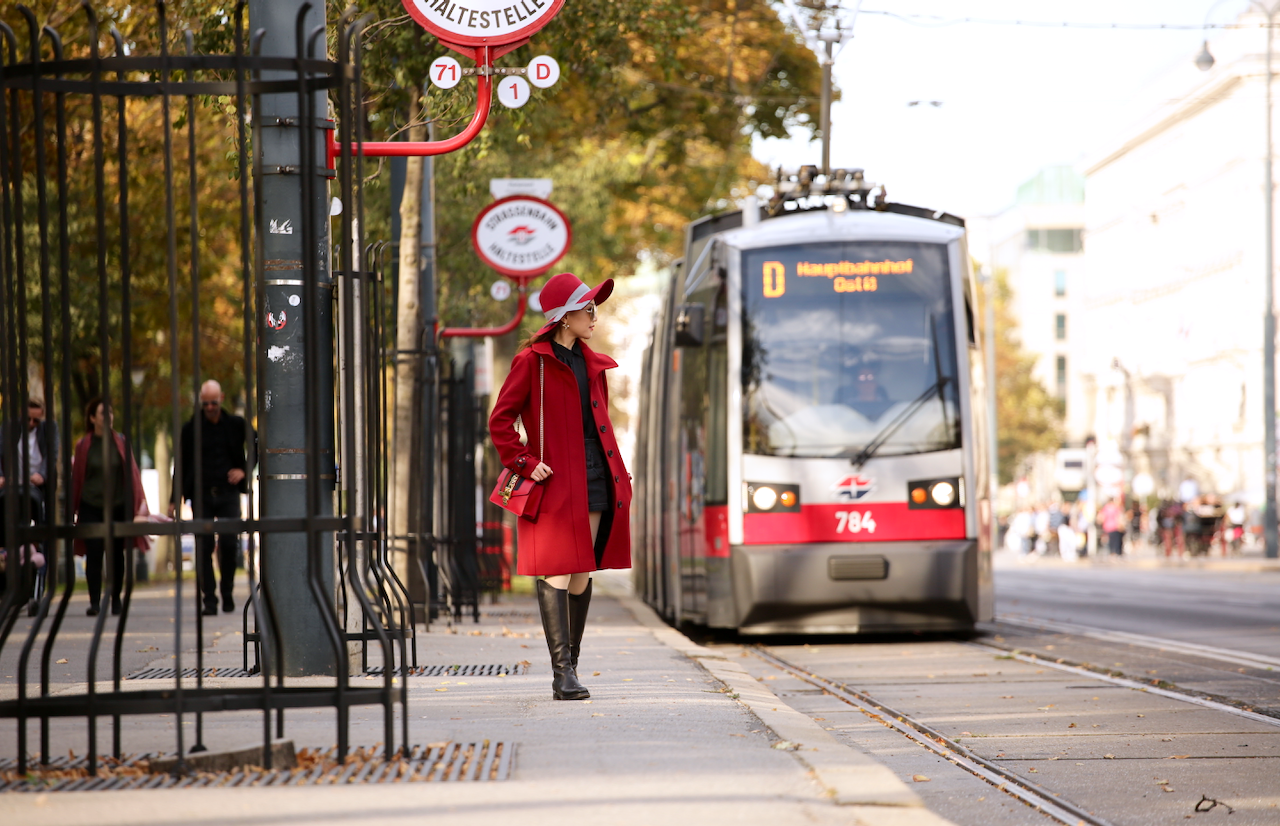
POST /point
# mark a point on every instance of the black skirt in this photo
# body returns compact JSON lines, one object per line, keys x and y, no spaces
{"x":598,"y":497}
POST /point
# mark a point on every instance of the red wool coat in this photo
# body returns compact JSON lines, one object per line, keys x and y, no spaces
{"x":559,"y":542}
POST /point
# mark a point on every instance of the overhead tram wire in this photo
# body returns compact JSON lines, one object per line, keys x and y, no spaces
{"x":938,"y":21}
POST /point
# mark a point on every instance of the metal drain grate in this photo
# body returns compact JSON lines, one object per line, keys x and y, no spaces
{"x":512,"y":614}
{"x":457,"y":670}
{"x":490,"y":670}
{"x":481,"y":762}
{"x":170,"y":673}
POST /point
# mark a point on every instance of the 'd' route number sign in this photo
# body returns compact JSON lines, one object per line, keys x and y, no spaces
{"x":482,"y":22}
{"x":521,"y":236}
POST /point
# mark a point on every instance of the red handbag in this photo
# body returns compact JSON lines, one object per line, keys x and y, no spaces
{"x":520,"y":494}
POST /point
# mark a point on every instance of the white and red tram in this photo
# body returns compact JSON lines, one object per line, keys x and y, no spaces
{"x":811,"y":452}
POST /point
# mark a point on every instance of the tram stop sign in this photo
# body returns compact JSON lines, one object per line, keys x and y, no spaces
{"x":476,"y":23}
{"x":521,"y":236}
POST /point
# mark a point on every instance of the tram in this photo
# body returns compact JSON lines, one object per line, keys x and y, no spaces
{"x":811,"y":455}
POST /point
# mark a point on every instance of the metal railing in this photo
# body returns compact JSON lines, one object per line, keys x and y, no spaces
{"x":95,"y":284}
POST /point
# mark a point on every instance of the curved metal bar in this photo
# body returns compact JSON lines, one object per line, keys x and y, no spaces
{"x":414,"y":149}
{"x":481,"y":332}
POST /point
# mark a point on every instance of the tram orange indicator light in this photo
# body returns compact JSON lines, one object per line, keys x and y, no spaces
{"x":918,"y":496}
{"x":788,"y":499}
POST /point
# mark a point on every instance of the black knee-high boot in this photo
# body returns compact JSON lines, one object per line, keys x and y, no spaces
{"x":579,"y":605}
{"x":553,"y":603}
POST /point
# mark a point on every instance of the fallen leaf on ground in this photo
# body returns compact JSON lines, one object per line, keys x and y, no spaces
{"x":1071,"y":725}
{"x":1033,"y":771}
{"x":595,"y":673}
{"x":1046,"y":708}
{"x":1179,"y":757}
{"x":1006,"y":697}
{"x":920,"y":778}
{"x":1108,"y":757}
{"x":786,"y":745}
{"x":62,"y":661}
{"x":1166,"y":788}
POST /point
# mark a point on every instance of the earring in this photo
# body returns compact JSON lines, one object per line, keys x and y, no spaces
{"x":564,"y":324}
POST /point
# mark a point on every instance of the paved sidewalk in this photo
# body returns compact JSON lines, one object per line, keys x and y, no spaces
{"x":674,"y":733}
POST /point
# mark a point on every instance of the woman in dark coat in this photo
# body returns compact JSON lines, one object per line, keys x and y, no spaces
{"x":90,"y":490}
{"x":583,"y":523}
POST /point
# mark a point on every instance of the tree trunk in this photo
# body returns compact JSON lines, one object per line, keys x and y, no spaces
{"x":409,"y":322}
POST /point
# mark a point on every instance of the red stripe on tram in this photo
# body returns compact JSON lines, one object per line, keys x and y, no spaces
{"x":872,"y":522}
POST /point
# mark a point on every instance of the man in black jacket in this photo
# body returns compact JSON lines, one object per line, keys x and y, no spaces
{"x":227,"y":448}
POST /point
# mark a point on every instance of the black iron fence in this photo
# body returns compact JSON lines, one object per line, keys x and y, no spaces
{"x":131,"y":268}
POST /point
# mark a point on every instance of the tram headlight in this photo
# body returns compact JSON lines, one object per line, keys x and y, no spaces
{"x":771,"y":497}
{"x":764,"y":498}
{"x":934,"y":494}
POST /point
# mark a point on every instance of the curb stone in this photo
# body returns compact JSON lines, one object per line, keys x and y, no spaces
{"x":874,"y":793}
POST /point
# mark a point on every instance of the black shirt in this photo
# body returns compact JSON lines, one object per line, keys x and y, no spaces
{"x":222,"y":448}
{"x":575,"y":361}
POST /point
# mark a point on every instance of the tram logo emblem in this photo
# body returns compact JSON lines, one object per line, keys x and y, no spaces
{"x":852,"y":488}
{"x":522,"y":234}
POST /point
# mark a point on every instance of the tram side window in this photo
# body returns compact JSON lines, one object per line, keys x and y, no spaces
{"x":695,"y":396}
{"x":717,"y":345}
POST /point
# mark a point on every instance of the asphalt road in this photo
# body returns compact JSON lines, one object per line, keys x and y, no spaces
{"x":1233,"y":610}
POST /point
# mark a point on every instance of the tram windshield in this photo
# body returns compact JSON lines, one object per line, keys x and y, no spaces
{"x":848,"y":347}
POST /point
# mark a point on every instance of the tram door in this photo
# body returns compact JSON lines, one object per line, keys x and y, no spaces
{"x":700,"y":345}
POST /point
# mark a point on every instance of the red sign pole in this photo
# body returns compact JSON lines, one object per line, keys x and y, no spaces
{"x":522,"y":303}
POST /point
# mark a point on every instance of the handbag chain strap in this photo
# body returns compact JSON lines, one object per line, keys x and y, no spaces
{"x":542,"y":413}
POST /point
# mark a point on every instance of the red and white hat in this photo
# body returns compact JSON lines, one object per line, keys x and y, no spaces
{"x":565,"y":293}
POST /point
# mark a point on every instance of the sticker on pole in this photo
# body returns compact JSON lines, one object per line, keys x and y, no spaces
{"x":521,"y":236}
{"x":483,"y":22}
{"x":513,"y":92}
{"x":445,"y":72}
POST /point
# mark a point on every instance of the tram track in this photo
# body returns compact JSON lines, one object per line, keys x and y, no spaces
{"x":1021,"y":789}
{"x":1255,"y":676}
{"x":1161,"y":644}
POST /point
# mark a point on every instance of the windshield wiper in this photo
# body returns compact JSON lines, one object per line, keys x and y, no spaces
{"x":882,"y":438}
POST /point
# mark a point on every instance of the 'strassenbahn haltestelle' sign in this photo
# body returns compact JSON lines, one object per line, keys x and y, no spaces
{"x":482,"y":22}
{"x":521,"y":236}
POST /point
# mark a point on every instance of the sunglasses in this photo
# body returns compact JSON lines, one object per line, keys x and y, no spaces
{"x":591,"y":310}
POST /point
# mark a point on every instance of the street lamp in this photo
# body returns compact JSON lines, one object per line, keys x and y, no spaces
{"x":1270,"y":530}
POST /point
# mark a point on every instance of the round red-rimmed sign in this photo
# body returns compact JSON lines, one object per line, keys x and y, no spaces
{"x":482,"y":22}
{"x":521,"y":236}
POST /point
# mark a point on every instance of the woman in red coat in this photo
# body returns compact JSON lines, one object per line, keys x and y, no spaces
{"x":557,"y":388}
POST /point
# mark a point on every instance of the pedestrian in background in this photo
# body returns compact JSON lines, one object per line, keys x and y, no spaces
{"x":40,"y":444}
{"x":1113,"y":520}
{"x":557,"y":388}
{"x":228,"y":451}
{"x":101,"y":485}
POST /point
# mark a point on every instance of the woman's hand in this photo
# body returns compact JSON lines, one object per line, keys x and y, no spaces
{"x":541,"y":473}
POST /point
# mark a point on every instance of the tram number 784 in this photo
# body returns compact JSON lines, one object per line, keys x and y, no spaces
{"x":855,"y":522}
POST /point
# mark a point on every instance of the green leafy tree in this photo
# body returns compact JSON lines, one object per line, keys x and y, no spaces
{"x":1028,"y":416}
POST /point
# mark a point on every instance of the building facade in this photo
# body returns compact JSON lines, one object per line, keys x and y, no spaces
{"x":1169,"y":353}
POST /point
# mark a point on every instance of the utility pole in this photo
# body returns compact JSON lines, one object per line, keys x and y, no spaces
{"x":829,"y":38}
{"x":286,"y":406}
{"x":843,"y":32}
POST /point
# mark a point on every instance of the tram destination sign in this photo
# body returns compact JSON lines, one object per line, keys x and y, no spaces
{"x":482,"y":22}
{"x":521,"y":236}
